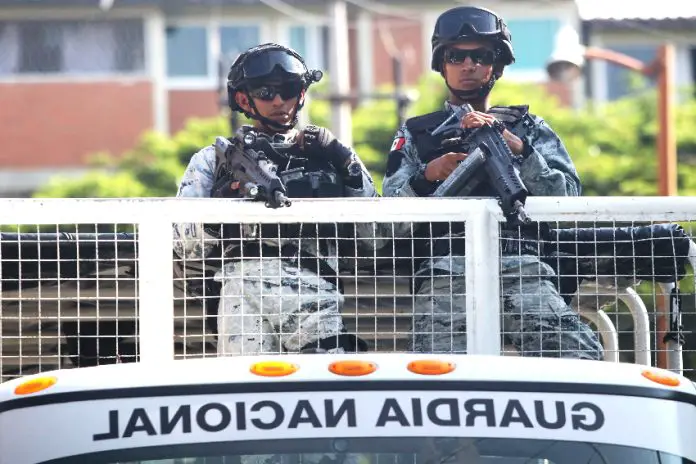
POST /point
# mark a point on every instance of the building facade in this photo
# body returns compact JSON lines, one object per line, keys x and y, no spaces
{"x":77,"y":78}
{"x":637,"y":32}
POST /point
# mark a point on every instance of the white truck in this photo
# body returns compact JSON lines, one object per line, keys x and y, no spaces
{"x":360,"y":409}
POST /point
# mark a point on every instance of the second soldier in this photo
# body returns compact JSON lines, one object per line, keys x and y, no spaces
{"x":470,"y":48}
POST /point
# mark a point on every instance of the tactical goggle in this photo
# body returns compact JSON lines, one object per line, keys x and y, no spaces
{"x":480,"y":22}
{"x":286,"y":91}
{"x":481,"y":56}
{"x":263,"y":64}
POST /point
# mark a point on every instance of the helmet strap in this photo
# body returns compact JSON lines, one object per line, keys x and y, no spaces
{"x":474,"y":94}
{"x":269,"y":123}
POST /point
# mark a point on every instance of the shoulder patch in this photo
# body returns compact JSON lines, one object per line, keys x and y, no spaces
{"x":399,"y":141}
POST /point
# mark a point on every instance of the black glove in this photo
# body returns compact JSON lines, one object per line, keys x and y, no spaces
{"x":320,"y":141}
{"x":222,"y":188}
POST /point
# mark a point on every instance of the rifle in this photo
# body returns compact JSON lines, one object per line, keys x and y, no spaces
{"x":486,"y":149}
{"x":251,"y":166}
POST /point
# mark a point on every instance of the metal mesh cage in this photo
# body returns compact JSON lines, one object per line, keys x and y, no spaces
{"x":399,"y":274}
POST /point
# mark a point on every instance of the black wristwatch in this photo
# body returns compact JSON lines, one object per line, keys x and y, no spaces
{"x":499,"y":126}
{"x":353,"y":169}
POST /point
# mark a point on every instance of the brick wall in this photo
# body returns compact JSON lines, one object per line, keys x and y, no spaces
{"x":60,"y":124}
{"x":406,"y":37}
{"x":185,"y":104}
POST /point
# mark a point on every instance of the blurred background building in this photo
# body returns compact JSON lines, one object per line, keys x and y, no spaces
{"x":84,"y":76}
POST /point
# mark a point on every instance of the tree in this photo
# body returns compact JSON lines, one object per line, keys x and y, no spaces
{"x":612,"y":145}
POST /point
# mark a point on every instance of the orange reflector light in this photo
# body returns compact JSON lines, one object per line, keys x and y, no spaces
{"x":274,"y":368}
{"x":352,"y":368}
{"x":662,"y":379}
{"x":35,"y":385}
{"x":430,"y":367}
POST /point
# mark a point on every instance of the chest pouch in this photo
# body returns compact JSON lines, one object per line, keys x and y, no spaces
{"x":301,"y":183}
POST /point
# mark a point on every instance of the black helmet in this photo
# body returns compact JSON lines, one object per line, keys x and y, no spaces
{"x":470,"y":22}
{"x":264,"y":61}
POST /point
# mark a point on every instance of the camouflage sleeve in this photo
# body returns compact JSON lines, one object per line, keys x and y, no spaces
{"x":190,"y":239}
{"x":365,"y":187}
{"x":405,"y":170}
{"x":548,"y":170}
{"x":404,"y":176}
{"x":372,"y":236}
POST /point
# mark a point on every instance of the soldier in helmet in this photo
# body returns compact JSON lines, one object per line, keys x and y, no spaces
{"x":278,"y":293}
{"x":470,"y":48}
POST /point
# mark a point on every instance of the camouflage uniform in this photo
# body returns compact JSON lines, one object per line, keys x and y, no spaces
{"x":274,"y":304}
{"x":536,"y":319}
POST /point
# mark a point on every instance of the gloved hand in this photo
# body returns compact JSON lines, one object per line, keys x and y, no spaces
{"x":226,"y":187}
{"x":320,"y":141}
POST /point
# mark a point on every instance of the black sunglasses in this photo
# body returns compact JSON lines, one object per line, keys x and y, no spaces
{"x":482,"y":56}
{"x":286,"y":91}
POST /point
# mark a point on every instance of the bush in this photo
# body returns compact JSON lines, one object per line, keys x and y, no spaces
{"x":612,"y":145}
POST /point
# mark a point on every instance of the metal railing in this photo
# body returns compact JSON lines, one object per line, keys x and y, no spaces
{"x":156,"y":304}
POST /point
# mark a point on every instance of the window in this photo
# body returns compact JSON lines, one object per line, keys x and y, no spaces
{"x":187,"y":51}
{"x":71,"y":47}
{"x":235,"y":39}
{"x":40,"y":50}
{"x":325,"y":35}
{"x":298,"y":39}
{"x":533,"y":41}
{"x":621,"y":81}
{"x":383,"y":450}
{"x":306,"y":41}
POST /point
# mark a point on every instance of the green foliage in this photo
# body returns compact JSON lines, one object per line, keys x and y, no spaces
{"x":151,"y":169}
{"x":197,"y":134}
{"x":612,"y":145}
{"x":432,"y":94}
{"x":319,"y":110}
{"x":372,"y":141}
{"x":95,"y":184}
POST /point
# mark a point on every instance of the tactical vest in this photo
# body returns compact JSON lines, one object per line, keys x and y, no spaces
{"x":303,"y":177}
{"x":313,"y":177}
{"x":517,"y":120}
